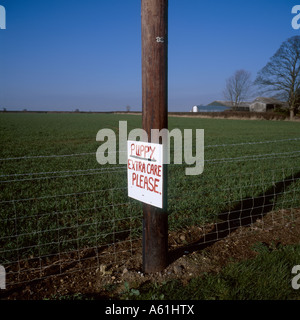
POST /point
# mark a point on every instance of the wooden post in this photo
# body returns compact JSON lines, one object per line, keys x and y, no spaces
{"x":155,"y":116}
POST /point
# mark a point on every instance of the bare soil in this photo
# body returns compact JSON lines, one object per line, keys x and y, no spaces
{"x":193,"y":251}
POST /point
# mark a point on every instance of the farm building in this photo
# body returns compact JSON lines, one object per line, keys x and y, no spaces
{"x":262,"y":104}
{"x":243,"y":105}
{"x":209,"y":108}
{"x":195,"y":109}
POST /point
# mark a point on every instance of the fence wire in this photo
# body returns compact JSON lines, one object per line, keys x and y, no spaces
{"x":69,"y":217}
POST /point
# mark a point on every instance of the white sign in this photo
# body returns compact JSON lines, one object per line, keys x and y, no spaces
{"x":145,"y":172}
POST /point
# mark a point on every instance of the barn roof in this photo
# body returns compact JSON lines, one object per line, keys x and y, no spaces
{"x":269,"y":101}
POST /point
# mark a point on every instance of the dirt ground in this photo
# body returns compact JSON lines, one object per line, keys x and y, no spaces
{"x":191,"y":254}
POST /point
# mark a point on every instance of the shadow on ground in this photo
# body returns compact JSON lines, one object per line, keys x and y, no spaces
{"x":245,"y":213}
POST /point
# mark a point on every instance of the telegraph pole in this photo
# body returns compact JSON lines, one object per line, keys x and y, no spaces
{"x":155,"y":116}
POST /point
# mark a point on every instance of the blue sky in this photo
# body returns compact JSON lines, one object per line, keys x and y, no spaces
{"x":86,"y":55}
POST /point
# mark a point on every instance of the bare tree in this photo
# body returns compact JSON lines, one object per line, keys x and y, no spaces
{"x":281,"y":75}
{"x":238,"y":88}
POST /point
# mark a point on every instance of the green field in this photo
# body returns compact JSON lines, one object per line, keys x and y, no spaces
{"x":56,"y":198}
{"x":266,"y":277}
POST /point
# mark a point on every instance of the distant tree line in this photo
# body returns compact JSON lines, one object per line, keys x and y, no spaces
{"x":279,"y":78}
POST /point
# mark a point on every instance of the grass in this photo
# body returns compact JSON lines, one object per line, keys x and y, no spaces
{"x":266,"y":277}
{"x":51,"y":205}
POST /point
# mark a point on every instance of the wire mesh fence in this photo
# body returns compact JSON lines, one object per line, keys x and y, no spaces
{"x":54,"y":217}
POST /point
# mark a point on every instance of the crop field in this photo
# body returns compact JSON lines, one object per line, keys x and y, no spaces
{"x":56,"y":200}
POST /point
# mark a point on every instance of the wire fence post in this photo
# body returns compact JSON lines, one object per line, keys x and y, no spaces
{"x":155,"y":116}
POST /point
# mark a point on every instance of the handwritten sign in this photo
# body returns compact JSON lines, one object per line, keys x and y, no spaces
{"x":145,"y":172}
